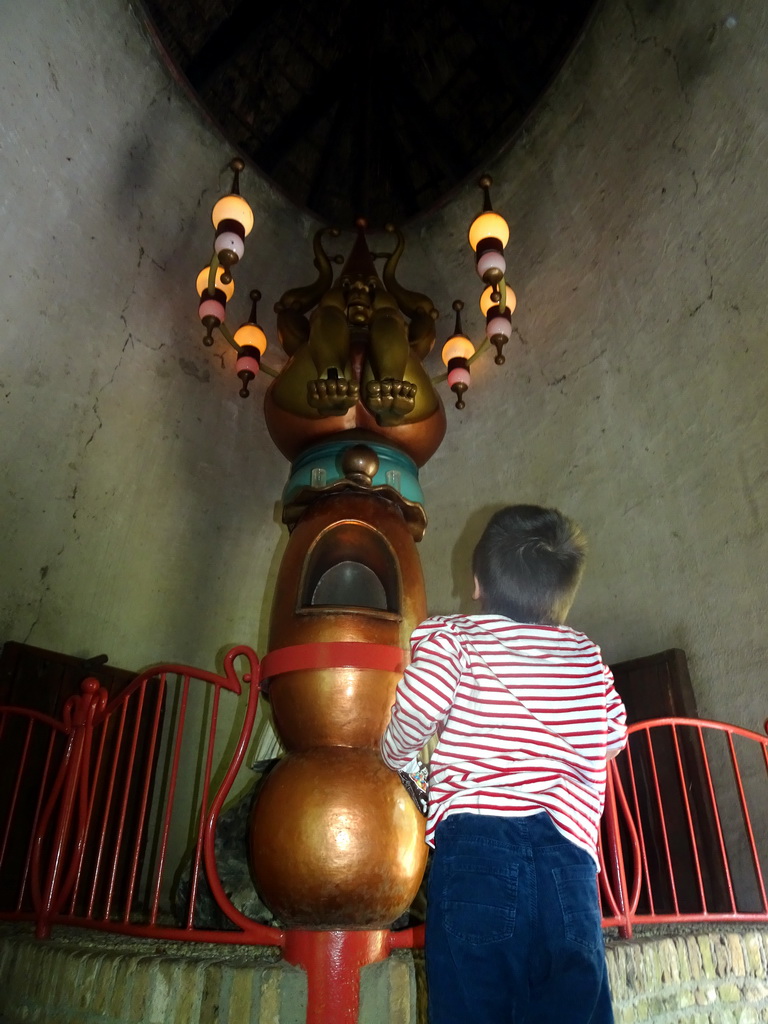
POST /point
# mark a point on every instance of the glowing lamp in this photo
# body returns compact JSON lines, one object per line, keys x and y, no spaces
{"x":251,"y":342}
{"x":498,"y":329}
{"x":233,"y":208}
{"x":487,"y":301}
{"x":211,"y":308}
{"x":213,"y":303}
{"x":457,"y":347}
{"x":457,"y":352}
{"x":488,"y":225}
{"x":247,"y":366}
{"x":233,"y":219}
{"x":227,"y":289}
{"x":251,"y":334}
{"x":489,"y":232}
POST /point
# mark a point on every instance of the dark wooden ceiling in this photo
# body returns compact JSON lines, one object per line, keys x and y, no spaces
{"x":379,"y":111}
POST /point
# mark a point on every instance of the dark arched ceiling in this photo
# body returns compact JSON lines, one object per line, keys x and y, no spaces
{"x":377,"y":110}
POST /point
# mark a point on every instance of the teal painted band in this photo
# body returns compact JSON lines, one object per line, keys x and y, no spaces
{"x":326,"y":457}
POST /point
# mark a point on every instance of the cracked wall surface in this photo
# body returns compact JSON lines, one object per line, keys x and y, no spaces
{"x":131,"y":518}
{"x":139,"y":507}
{"x":635,"y":391}
{"x":139,"y":491}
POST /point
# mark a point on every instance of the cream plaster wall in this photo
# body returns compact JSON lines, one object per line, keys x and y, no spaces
{"x":139,"y":513}
{"x":139,"y":491}
{"x":635,"y":392}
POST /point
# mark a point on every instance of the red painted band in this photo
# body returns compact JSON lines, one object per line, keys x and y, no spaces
{"x":333,"y":654}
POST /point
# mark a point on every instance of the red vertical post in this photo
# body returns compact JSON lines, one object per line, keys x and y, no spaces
{"x":72,"y":775}
{"x":333,"y":961}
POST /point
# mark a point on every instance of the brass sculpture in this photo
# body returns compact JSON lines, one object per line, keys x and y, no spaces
{"x":337,"y":842}
{"x":356,"y":346}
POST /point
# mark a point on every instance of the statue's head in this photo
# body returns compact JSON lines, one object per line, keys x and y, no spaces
{"x":359,"y":293}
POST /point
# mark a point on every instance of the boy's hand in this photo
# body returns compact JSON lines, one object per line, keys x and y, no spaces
{"x":415,"y":778}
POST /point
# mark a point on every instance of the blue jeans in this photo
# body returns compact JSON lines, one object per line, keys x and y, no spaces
{"x":513,"y":926}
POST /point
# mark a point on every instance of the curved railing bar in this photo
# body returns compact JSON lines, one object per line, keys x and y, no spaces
{"x":38,"y":716}
{"x":651,"y":723}
{"x":266,"y":934}
{"x":229,"y":681}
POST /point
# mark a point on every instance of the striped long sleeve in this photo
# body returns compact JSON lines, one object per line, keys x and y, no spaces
{"x":526,"y":716}
{"x":424,"y":697}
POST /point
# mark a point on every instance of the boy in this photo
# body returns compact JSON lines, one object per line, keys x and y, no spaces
{"x":527,"y":717}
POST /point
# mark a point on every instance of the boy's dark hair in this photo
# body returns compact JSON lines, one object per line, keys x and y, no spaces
{"x":528,"y":564}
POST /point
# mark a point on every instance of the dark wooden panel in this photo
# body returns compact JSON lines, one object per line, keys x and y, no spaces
{"x":31,"y":677}
{"x":659,"y":686}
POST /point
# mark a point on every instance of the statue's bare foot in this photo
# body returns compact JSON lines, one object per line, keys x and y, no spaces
{"x":389,"y":400}
{"x":332,"y":396}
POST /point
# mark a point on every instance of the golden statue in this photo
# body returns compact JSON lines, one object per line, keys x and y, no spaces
{"x":356,"y":346}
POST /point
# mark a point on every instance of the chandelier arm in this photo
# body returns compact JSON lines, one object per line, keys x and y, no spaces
{"x":502,"y":295}
{"x":227,"y":335}
{"x":215,"y":264}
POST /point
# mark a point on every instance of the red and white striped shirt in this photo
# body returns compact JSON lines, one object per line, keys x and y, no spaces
{"x":526,"y":716}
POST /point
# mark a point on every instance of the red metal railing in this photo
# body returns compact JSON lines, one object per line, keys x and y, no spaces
{"x":86,"y":824}
{"x":94,"y":852}
{"x":685,"y":828}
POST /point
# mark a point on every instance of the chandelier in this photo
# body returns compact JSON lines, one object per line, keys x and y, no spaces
{"x":364,"y":305}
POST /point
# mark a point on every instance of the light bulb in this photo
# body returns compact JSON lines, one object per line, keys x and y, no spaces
{"x":251,"y":334}
{"x":233,"y":207}
{"x":486,"y":302}
{"x":457,"y":347}
{"x":488,"y":225}
{"x":202,"y":282}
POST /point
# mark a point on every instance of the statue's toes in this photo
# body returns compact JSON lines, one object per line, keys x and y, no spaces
{"x":404,"y":402}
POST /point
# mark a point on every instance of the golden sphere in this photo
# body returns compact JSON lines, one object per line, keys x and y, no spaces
{"x":360,"y":462}
{"x":335,"y":841}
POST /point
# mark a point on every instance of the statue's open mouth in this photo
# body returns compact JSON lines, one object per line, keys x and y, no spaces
{"x":358,"y":312}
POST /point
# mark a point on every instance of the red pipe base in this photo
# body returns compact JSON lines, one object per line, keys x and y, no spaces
{"x":332,"y":961}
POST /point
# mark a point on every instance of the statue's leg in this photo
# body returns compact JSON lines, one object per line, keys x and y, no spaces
{"x":388,"y":395}
{"x":335,"y":390}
